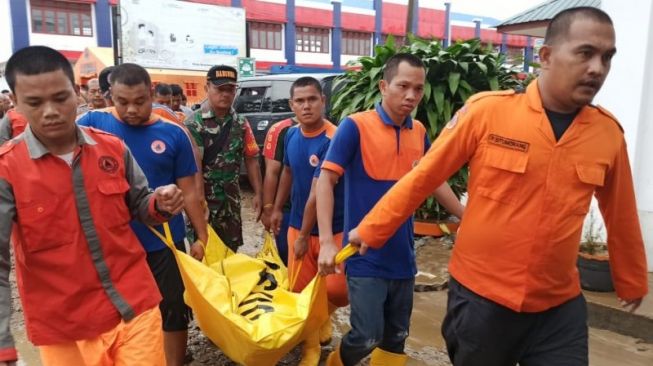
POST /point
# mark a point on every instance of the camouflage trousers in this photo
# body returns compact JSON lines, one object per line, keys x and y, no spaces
{"x":229,"y":227}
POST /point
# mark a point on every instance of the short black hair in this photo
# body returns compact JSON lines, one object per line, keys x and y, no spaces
{"x":130,"y":75}
{"x":176,"y":90}
{"x":35,"y":60}
{"x":162,"y":89}
{"x":558,"y":28}
{"x":305,"y":81}
{"x":103,"y":78}
{"x":392,"y":65}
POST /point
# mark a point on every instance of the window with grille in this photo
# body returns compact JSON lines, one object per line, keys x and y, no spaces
{"x":61,"y":17}
{"x":191,"y":89}
{"x":356,"y":43}
{"x":315,"y":40}
{"x":265,"y":36}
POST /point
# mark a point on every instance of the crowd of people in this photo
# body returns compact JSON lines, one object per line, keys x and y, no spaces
{"x":87,"y":172}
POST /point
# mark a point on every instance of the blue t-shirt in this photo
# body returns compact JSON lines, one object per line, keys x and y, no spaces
{"x":304,"y":155}
{"x":164,"y":153}
{"x":367,"y":177}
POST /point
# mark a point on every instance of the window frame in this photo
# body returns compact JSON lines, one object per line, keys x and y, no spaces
{"x":190,"y":89}
{"x":69,"y":12}
{"x":260,"y":33}
{"x":356,"y":43}
{"x":308,"y":39}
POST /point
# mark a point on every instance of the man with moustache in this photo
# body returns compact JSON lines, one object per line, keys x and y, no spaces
{"x":536,"y":159}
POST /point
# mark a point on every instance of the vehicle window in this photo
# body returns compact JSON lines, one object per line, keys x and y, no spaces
{"x":251,"y":99}
{"x":280,"y":95}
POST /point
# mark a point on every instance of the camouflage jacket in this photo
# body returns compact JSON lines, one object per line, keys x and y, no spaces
{"x":221,"y":185}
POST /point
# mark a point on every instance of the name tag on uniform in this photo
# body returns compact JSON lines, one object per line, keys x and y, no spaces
{"x":509,"y":143}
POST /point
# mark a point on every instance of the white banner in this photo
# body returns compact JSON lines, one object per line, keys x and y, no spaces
{"x":172,"y":34}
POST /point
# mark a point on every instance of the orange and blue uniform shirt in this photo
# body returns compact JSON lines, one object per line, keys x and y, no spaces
{"x":373,"y":154}
{"x":273,"y":148}
{"x":304,"y":154}
{"x":80,"y":269}
{"x":162,"y":149}
{"x":528,"y":196}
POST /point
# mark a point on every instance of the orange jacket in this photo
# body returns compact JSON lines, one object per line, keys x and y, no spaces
{"x":12,"y":125}
{"x":80,"y":268}
{"x":528,"y":196}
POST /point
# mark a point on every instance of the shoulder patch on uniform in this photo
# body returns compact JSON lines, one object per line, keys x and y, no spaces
{"x":454,"y":120}
{"x":7,"y":147}
{"x":496,"y":93}
{"x":607,"y":113}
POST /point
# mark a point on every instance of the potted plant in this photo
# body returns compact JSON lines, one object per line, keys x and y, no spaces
{"x":593,"y":261}
{"x":453,"y":74}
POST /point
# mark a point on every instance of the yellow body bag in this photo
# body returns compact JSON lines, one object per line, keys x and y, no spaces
{"x":243,"y":305}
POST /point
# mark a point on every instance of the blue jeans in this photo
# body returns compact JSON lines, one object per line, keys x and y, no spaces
{"x":380,"y":317}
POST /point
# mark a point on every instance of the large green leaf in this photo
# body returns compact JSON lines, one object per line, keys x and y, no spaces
{"x":454,"y":80}
{"x":427,"y":92}
{"x":438,"y":96}
{"x":482,"y":66}
{"x":494,"y":83}
{"x":432,"y":116}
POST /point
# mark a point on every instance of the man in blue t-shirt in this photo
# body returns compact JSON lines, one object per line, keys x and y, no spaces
{"x":371,"y":151}
{"x":304,"y":148}
{"x":163,"y":150}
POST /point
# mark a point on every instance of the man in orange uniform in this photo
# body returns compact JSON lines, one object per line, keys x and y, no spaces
{"x":536,"y":160}
{"x":69,"y":193}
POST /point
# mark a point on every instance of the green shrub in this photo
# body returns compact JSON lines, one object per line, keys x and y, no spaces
{"x":453,"y":75}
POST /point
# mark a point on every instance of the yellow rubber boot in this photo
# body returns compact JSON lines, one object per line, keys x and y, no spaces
{"x":311,"y":350}
{"x":385,"y":358}
{"x":326,"y":330}
{"x":334,"y":358}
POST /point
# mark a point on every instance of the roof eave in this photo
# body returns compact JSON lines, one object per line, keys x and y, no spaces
{"x":534,"y":29}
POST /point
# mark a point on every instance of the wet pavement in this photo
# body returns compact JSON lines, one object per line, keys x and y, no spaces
{"x":425,"y":345}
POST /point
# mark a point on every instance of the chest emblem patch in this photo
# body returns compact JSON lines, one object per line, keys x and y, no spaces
{"x":508,"y":143}
{"x":158,"y":146}
{"x":108,"y":164}
{"x":314,"y":161}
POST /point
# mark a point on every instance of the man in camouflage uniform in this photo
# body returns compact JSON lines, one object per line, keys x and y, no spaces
{"x":224,"y":140}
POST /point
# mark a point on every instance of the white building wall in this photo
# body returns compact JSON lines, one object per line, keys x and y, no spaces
{"x":628,"y":94}
{"x":267,"y":55}
{"x":6,"y":39}
{"x":346,"y":58}
{"x":313,"y":58}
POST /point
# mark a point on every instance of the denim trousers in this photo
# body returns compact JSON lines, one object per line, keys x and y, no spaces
{"x":380,"y":317}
